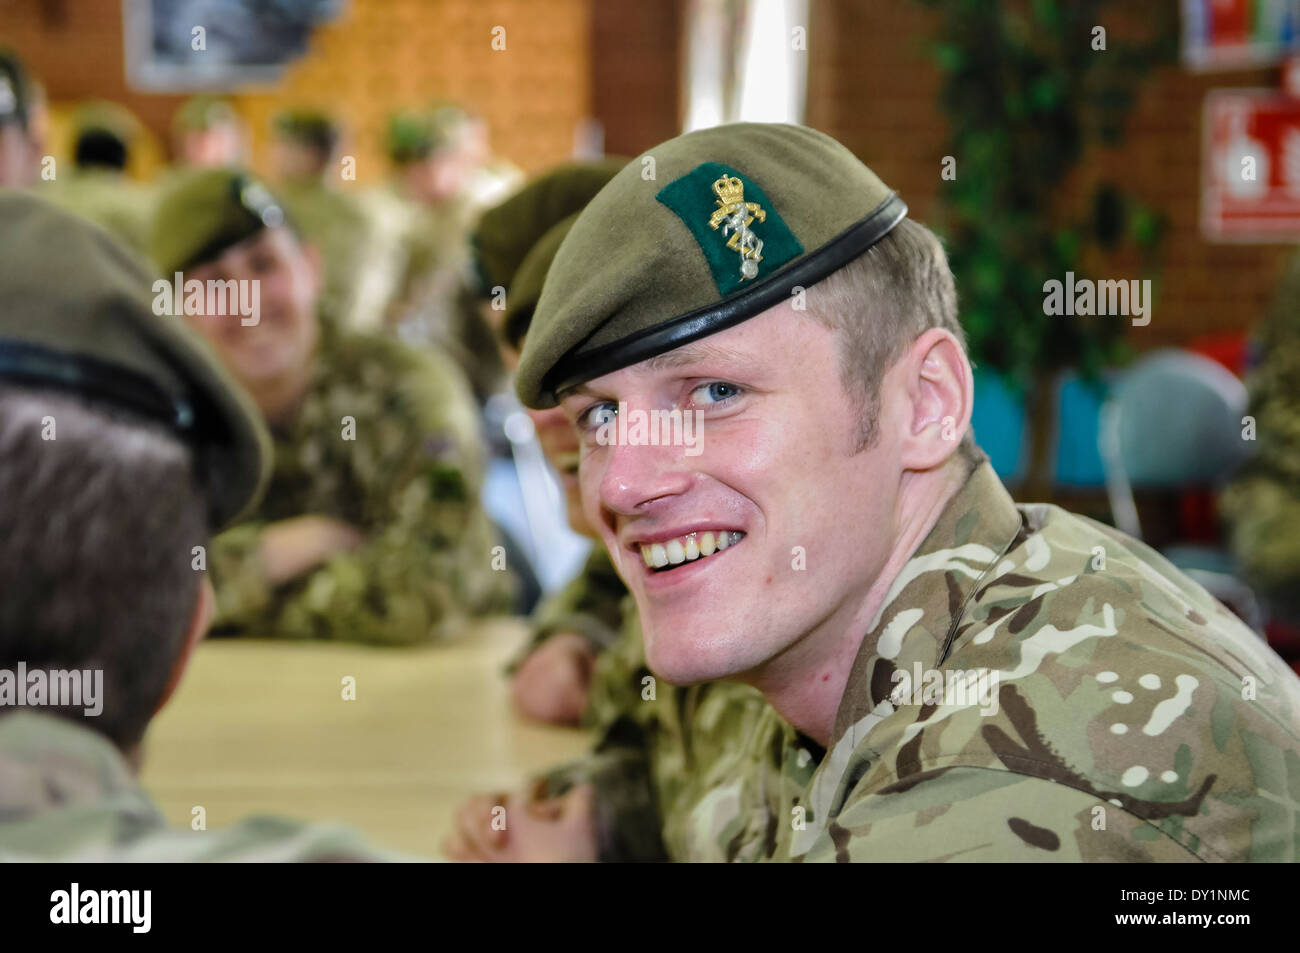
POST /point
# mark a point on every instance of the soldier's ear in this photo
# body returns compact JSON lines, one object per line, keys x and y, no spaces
{"x":939,"y":396}
{"x":205,"y":606}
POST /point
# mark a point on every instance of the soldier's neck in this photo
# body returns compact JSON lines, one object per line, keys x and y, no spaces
{"x":806,"y":683}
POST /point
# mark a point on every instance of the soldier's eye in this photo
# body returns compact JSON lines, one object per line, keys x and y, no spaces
{"x":714,"y":392}
{"x":598,"y":415}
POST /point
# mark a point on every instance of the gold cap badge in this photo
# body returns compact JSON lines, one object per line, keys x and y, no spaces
{"x":735,"y":215}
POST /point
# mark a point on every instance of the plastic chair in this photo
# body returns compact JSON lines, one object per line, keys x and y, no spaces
{"x":1173,"y":421}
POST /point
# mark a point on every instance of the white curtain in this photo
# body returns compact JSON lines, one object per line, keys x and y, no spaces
{"x":746,"y":60}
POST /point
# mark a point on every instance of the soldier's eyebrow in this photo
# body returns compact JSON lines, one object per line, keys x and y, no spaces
{"x":687,"y":354}
{"x":696,"y":353}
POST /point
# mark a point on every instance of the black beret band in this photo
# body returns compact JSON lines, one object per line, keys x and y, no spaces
{"x":578,"y":366}
{"x":87,"y":377}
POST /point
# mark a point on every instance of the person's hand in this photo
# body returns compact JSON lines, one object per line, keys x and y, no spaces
{"x":296,"y":546}
{"x":521,"y":828}
{"x":552,"y":683}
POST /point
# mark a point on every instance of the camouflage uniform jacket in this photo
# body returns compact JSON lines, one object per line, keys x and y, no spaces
{"x":1262,"y":504}
{"x":340,"y":225}
{"x":67,"y":794}
{"x":591,"y":605}
{"x":661,"y":756}
{"x":387,"y":440}
{"x":115,"y":203}
{"x":1135,"y":718}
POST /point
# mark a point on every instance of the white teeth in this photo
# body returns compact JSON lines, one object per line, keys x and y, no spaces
{"x":687,"y":548}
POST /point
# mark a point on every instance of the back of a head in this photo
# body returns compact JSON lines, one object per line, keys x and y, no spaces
{"x":103,"y":135}
{"x":100,"y":149}
{"x":122,"y":445}
{"x":100,"y":513}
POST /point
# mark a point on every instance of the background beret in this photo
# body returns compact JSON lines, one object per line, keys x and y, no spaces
{"x":102,"y":115}
{"x":311,"y":127}
{"x":655,"y":260}
{"x":206,"y":211}
{"x":507,"y":232}
{"x":415,"y":134}
{"x":76,"y":314}
{"x":203,"y":112}
{"x":530,"y":278}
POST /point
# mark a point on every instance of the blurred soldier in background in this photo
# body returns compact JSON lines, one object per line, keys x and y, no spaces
{"x":371,"y":529}
{"x":661,"y":750}
{"x":22,"y":123}
{"x":445,"y":176}
{"x":513,"y":246}
{"x":114,"y":421}
{"x":305,"y":143}
{"x":97,"y":187}
{"x":1263,"y":503}
{"x":206,"y":131}
{"x":445,"y":163}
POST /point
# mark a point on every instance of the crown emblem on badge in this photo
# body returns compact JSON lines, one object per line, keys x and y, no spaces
{"x":734,"y":215}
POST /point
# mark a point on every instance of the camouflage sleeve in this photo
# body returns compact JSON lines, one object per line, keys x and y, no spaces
{"x":1265,"y":493}
{"x":590,"y":605}
{"x":243,"y":596}
{"x":961,"y":814}
{"x":621,"y":767}
{"x":620,"y":681}
{"x":627,"y":821}
{"x":429,"y":556}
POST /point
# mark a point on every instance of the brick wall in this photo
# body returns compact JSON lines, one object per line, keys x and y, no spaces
{"x":636,"y":62}
{"x":379,"y":55}
{"x":872,"y":85}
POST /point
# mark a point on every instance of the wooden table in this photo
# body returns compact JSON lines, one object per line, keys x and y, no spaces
{"x":262,"y":727}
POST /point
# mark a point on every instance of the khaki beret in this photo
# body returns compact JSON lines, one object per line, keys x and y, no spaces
{"x":202,"y":112}
{"x":102,"y":115}
{"x":76,"y":315}
{"x":416,"y":134}
{"x":508,"y":231}
{"x":311,"y":127}
{"x":699,"y":234}
{"x":529,"y":279}
{"x":204,"y":212}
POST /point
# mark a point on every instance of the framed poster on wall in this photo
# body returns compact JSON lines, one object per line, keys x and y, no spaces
{"x":192,"y":45}
{"x":1250,"y":166}
{"x":1238,"y":34}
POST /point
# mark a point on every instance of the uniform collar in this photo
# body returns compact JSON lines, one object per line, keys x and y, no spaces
{"x":917,"y":620}
{"x":48,"y":762}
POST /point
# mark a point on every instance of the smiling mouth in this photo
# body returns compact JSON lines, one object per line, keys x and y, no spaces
{"x":671,"y":554}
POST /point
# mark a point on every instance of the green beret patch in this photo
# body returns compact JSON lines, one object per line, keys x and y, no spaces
{"x":733,"y":222}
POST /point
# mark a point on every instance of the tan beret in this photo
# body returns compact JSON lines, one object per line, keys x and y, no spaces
{"x":76,"y":314}
{"x":697,"y":235}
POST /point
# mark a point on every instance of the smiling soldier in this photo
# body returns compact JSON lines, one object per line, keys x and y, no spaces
{"x":840,"y":525}
{"x":371,"y":528}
